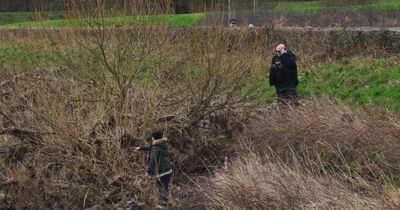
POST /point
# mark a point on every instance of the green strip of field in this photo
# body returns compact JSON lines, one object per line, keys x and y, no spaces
{"x":19,"y":17}
{"x":362,"y":83}
{"x":172,"y":20}
{"x":298,"y":7}
{"x":315,"y":6}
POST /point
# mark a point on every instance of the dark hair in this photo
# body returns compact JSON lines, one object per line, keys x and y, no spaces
{"x":157,"y":134}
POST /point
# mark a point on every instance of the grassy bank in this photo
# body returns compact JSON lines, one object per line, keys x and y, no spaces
{"x":361,"y":82}
{"x":26,"y":56}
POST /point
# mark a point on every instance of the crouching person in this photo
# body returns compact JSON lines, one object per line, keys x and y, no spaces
{"x":159,"y":165}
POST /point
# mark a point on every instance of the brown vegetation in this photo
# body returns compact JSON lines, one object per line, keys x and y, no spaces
{"x":3,"y":73}
{"x":318,"y":156}
{"x":66,"y":133}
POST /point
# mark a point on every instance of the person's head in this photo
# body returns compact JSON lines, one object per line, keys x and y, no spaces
{"x":280,"y":49}
{"x":157,"y":135}
{"x":232,"y":23}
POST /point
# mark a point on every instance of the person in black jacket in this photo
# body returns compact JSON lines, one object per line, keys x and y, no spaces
{"x":283,"y":75}
{"x":158,"y":164}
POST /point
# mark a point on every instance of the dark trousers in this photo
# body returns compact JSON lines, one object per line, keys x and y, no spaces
{"x":162,"y":187}
{"x":287,"y":95}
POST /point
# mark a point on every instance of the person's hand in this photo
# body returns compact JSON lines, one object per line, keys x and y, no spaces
{"x":147,"y":175}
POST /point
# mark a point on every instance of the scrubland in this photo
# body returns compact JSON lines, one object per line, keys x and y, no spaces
{"x":74,"y":102}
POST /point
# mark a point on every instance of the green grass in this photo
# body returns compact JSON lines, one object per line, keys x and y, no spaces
{"x":314,"y":6}
{"x":172,"y":20}
{"x":19,"y":17}
{"x":25,"y":56}
{"x":298,"y":7}
{"x":362,"y":84}
{"x":387,"y":4}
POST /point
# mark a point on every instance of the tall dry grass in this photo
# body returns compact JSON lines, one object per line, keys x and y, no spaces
{"x":335,"y":137}
{"x":319,"y":156}
{"x":252,"y":182}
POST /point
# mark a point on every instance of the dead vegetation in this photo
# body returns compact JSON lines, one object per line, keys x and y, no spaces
{"x":318,"y":156}
{"x":66,"y":133}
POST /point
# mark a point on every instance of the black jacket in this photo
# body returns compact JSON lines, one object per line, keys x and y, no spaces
{"x":283,"y":71}
{"x":158,"y":163}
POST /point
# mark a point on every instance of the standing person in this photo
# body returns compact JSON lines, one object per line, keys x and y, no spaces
{"x":283,"y":75}
{"x":158,"y":165}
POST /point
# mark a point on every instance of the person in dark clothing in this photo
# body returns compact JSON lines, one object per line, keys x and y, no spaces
{"x":283,"y":75}
{"x":158,"y":164}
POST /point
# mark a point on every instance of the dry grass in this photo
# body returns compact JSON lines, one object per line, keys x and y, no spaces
{"x":252,"y":182}
{"x":319,"y":156}
{"x":334,"y":138}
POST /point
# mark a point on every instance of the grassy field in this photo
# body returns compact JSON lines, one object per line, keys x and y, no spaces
{"x":315,"y":6}
{"x":361,"y":83}
{"x":300,"y":7}
{"x":23,"y":56}
{"x":173,"y":20}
